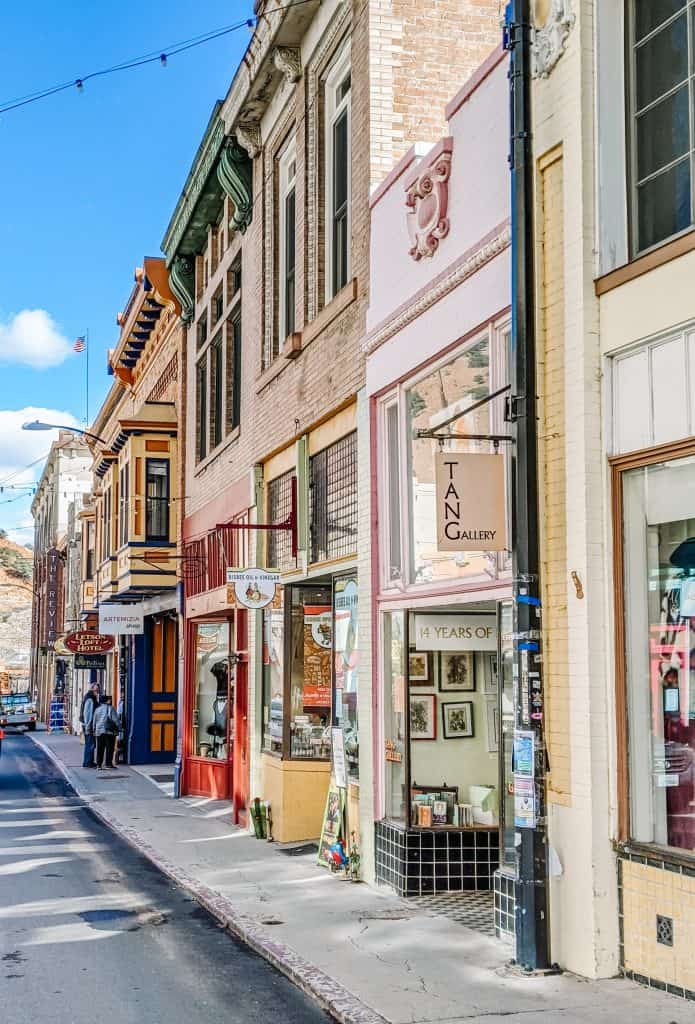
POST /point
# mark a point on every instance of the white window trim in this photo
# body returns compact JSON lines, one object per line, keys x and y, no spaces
{"x":336,"y":73}
{"x":287,"y":178}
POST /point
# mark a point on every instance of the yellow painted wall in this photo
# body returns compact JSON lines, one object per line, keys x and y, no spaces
{"x":297,"y":794}
{"x":646,"y":892}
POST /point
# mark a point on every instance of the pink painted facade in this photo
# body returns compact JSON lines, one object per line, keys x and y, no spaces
{"x":438,"y":328}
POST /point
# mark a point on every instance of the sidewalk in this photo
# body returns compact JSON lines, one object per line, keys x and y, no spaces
{"x":365,"y":954}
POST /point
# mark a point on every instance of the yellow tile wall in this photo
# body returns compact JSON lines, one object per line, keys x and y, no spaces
{"x":646,"y":892}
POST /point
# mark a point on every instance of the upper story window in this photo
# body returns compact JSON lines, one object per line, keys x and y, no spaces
{"x":106,"y":524}
{"x":337,"y":172}
{"x":124,"y":491}
{"x":279,"y":504}
{"x":218,"y":371}
{"x":661,"y":110}
{"x":157,"y":500}
{"x":287,"y":237}
{"x":333,"y":500}
{"x":89,"y":545}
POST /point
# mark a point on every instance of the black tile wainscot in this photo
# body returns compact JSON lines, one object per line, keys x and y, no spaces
{"x":505,"y":904}
{"x":416,"y":862}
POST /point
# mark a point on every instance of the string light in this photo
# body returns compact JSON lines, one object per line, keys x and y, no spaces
{"x":159,"y":56}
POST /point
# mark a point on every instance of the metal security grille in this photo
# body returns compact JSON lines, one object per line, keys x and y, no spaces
{"x":333,"y":500}
{"x":279,"y":508}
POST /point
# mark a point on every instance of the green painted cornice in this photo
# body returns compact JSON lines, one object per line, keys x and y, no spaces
{"x":202,"y":196}
{"x":235,"y":174}
{"x":182,"y":284}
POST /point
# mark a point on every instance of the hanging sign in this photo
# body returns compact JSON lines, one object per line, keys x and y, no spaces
{"x":121,"y":619}
{"x":253,"y":588}
{"x":53,"y":567}
{"x":339,"y":763}
{"x":88,"y":643}
{"x":455,"y":632}
{"x":470,"y":499}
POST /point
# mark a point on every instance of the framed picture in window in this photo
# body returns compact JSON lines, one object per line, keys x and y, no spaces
{"x":423,"y":722}
{"x":456,"y":671}
{"x":457,"y":720}
{"x":490,"y":673}
{"x":493,"y":726}
{"x":419,"y":668}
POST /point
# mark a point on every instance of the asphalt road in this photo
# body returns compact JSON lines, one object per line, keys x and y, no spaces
{"x":90,"y":931}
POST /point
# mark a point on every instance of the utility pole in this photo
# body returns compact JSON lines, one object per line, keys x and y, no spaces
{"x":529,"y":756}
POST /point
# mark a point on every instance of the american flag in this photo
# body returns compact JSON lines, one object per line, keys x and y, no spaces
{"x":80,"y":344}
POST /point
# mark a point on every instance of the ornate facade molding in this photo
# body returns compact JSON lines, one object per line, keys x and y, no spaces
{"x":205,"y":158}
{"x":427,"y":201}
{"x":182,"y":283}
{"x":469,"y":263}
{"x":288,"y":60}
{"x":550,"y":39}
{"x":235,"y":174}
{"x":248,"y":135}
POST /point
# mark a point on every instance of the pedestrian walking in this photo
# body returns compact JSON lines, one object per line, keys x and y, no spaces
{"x":106,"y":727}
{"x":87,"y":709}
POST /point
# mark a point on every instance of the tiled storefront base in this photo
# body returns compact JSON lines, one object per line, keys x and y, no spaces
{"x":657,"y":922}
{"x":505,"y":904}
{"x":416,"y":862}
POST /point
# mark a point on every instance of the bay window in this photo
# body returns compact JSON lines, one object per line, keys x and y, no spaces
{"x":157,"y":500}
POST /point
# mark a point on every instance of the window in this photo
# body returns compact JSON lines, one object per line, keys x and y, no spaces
{"x":213,"y":698}
{"x":662,"y":52}
{"x":106,"y":530}
{"x":90,"y":531}
{"x":202,"y":330}
{"x":286,"y":244}
{"x":333,"y":500}
{"x":157,"y":500}
{"x":217,"y":392}
{"x":273,"y":677}
{"x":217,"y":306}
{"x":234,"y":372}
{"x":346,"y":665}
{"x":394,"y":570}
{"x":202,"y":407}
{"x":279,"y":507}
{"x":394,"y":690}
{"x":658,"y":555}
{"x":337,"y":176}
{"x":124,"y":504}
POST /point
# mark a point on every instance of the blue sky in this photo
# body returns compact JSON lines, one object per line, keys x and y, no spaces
{"x":88,"y":183}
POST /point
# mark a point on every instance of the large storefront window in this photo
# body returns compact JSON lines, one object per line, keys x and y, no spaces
{"x":658,"y":503}
{"x":212,"y":729}
{"x":346,"y":666}
{"x":394,"y":648}
{"x":434,"y":400}
{"x":273,"y":677}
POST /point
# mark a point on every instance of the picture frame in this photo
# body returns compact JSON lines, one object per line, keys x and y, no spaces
{"x":423,"y":720}
{"x":419,"y":668}
{"x":490,"y":673}
{"x":456,"y":671}
{"x":457,"y":720}
{"x":492,"y":723}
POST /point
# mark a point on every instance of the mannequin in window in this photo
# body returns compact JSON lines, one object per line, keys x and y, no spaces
{"x":217,"y":729}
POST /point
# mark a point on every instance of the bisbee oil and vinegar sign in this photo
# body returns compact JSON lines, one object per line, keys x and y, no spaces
{"x":471,"y":507}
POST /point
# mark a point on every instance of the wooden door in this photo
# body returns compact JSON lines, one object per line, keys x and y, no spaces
{"x":163,"y":690}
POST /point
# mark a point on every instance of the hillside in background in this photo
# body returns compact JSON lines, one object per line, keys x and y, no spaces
{"x":16,"y":565}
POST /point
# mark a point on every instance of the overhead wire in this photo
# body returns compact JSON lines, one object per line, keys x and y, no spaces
{"x":161,"y":54}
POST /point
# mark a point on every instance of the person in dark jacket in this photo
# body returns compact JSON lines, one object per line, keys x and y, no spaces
{"x":89,"y":703}
{"x":107,"y":725}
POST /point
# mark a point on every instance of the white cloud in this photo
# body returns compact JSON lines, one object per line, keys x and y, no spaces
{"x":33,"y":338}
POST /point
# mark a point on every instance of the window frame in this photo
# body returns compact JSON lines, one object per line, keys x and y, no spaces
{"x":631,"y":47}
{"x":287,"y":187}
{"x":124,"y":504}
{"x":334,"y":109}
{"x":620,"y":464}
{"x":151,"y":537}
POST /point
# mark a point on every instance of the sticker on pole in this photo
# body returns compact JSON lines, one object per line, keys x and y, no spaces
{"x":252,"y":588}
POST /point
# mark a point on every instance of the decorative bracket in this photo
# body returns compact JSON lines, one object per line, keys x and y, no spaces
{"x":248,"y":135}
{"x":289,"y":524}
{"x":288,"y":59}
{"x":550,"y":39}
{"x":427,"y":201}
{"x":182,"y":284}
{"x":235,"y":175}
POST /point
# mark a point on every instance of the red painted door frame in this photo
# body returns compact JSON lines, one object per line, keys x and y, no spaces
{"x":240,"y":749}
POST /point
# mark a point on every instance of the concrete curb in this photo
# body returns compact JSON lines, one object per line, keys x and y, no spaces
{"x":341,"y":1004}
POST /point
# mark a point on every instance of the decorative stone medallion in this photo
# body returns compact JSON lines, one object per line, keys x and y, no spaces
{"x":427,"y":201}
{"x":554,"y":20}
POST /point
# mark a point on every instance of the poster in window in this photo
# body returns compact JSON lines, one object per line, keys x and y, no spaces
{"x":318,"y":645}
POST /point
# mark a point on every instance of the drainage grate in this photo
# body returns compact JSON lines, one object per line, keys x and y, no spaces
{"x":298,"y":850}
{"x":162,"y":778}
{"x":664,"y":930}
{"x":473,"y":909}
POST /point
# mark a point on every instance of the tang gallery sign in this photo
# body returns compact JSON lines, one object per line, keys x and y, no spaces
{"x":471,"y":504}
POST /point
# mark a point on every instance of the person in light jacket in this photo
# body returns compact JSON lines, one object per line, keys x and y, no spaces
{"x":106,"y":728}
{"x":89,"y":705}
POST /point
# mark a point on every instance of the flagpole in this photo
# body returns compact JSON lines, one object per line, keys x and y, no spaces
{"x":87,"y":382}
